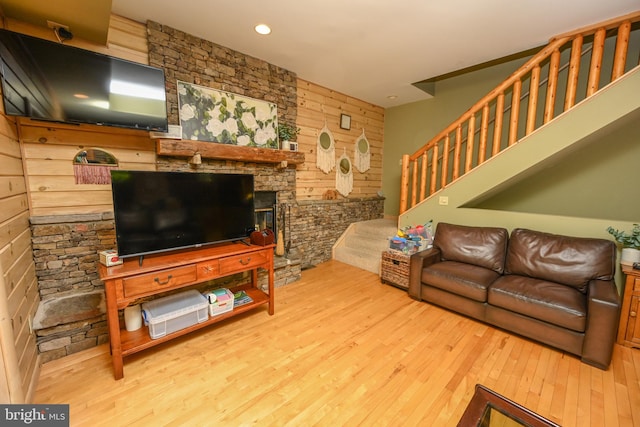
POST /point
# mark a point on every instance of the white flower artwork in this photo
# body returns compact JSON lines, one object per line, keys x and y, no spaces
{"x":217,"y":116}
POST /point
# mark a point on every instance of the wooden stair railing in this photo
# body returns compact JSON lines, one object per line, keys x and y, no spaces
{"x":502,"y":117}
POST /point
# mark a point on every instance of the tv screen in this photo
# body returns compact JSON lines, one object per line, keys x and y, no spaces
{"x":51,"y":81}
{"x":161,"y":211}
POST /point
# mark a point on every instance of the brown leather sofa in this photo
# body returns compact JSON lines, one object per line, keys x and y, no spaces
{"x":555,"y":289}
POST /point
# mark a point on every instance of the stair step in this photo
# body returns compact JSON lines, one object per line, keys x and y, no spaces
{"x":383,"y":228}
{"x":364,"y":260}
{"x":363,"y":243}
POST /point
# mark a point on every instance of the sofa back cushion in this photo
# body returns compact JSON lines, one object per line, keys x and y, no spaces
{"x":482,"y":246}
{"x":572,"y":261}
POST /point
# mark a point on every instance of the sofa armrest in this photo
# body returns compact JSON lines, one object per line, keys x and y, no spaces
{"x":603,"y":315}
{"x":417,"y":262}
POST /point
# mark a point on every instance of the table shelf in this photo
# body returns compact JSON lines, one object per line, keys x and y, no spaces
{"x":132,"y":280}
{"x":135,"y":341}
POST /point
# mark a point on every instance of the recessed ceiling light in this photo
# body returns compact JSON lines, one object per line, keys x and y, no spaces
{"x":263,"y":29}
{"x":392,"y":96}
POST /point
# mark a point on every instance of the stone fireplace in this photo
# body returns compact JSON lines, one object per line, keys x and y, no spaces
{"x":65,"y":247}
{"x":71,"y":316}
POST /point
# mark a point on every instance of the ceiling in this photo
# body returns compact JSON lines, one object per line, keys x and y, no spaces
{"x":86,"y":19}
{"x":368,"y":49}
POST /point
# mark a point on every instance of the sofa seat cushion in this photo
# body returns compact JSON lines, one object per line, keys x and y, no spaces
{"x":466,"y":280}
{"x":551,"y":302}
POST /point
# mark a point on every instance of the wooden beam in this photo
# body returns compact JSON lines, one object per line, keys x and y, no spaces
{"x":552,"y":87}
{"x":597,"y":54}
{"x":497,"y":125}
{"x":471,"y":131}
{"x":211,"y":150}
{"x":515,"y":112}
{"x":534,"y":88}
{"x":574,"y":70}
{"x":445,"y":162}
{"x":404,"y":184}
{"x":423,"y":177}
{"x":622,"y":45}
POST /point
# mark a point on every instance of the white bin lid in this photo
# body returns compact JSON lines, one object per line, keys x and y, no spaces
{"x":175,"y":305}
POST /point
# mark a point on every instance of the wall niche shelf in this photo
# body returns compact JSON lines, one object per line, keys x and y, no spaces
{"x":211,"y":150}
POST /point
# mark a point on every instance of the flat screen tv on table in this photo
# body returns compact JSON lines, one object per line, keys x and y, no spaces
{"x":163,"y":211}
{"x":44,"y":80}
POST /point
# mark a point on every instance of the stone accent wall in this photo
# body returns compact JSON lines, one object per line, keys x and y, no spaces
{"x":315,"y":225}
{"x":65,"y":249}
{"x":194,"y":60}
{"x":266,"y":178}
{"x":318,"y":224}
{"x":66,"y":253}
{"x":66,"y":246}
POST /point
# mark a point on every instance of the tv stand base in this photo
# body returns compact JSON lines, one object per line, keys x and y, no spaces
{"x":130,"y":281}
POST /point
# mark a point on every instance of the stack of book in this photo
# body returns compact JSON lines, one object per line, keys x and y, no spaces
{"x":241,"y":298}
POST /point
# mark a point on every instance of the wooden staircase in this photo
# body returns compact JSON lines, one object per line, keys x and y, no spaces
{"x":570,"y":69}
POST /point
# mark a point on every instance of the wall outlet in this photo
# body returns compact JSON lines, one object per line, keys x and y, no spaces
{"x":443,"y":200}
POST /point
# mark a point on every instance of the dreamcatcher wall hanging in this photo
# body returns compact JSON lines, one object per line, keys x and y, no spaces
{"x":326,"y":158}
{"x":344,"y":176}
{"x":363,"y":153}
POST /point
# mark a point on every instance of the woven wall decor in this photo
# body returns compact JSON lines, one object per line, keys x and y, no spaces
{"x":344,"y":175}
{"x":326,"y":150}
{"x":363,"y":153}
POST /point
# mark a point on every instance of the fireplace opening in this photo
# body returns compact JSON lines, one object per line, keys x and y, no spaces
{"x":266,"y":210}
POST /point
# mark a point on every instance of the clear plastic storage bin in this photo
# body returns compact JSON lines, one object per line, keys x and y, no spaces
{"x":174,"y":312}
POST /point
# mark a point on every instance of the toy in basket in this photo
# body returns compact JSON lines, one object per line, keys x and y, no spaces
{"x":220,"y":301}
{"x":411,"y":239}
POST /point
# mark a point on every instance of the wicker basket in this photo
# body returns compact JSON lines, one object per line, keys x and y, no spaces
{"x":395,"y":269}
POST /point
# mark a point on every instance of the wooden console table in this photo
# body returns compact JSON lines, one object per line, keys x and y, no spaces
{"x":157,"y":274}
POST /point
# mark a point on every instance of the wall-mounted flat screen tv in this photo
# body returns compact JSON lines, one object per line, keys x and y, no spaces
{"x":162,"y":211}
{"x":44,"y":80}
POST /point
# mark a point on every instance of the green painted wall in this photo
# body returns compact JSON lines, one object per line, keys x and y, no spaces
{"x":602,"y":181}
{"x":575,"y":176}
{"x":410,"y":126}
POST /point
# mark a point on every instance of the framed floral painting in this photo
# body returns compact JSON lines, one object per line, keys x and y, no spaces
{"x":217,"y":116}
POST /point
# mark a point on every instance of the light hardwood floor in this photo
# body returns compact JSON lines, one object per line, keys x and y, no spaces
{"x":341,"y":349}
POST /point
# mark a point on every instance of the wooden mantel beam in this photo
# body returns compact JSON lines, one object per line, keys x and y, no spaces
{"x":209,"y":150}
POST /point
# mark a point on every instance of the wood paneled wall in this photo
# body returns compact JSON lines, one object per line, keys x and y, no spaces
{"x":48,"y":150}
{"x":42,"y":157}
{"x":36,"y":179}
{"x":318,"y":105}
{"x":18,"y":287}
{"x":48,"y":157}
